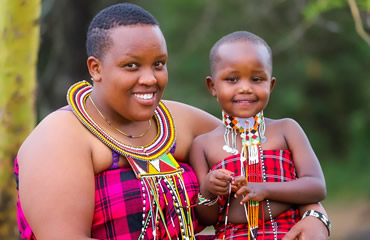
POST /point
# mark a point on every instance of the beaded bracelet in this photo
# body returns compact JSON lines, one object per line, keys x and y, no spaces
{"x":206,"y":201}
{"x":320,"y":216}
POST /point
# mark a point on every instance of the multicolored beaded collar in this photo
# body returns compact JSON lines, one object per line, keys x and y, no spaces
{"x":152,"y":159}
{"x":153,"y":164}
{"x":252,"y":134}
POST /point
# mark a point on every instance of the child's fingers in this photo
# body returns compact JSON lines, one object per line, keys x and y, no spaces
{"x":223,"y":175}
{"x":221,"y":183}
{"x":245,"y":190}
{"x":239,"y":181}
{"x":246,"y":198}
{"x":225,"y":171}
{"x":222,"y":191}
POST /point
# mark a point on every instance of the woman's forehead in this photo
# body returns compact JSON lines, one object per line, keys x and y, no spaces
{"x":137,"y":38}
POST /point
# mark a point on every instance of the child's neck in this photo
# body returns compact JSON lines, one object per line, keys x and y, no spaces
{"x":251,"y":131}
{"x":241,"y":124}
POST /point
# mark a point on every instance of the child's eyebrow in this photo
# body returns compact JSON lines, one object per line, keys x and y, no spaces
{"x":229,"y":71}
{"x":161,"y":56}
{"x":259,"y":71}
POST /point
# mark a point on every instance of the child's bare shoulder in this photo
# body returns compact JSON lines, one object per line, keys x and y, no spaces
{"x":282,"y":123}
{"x":282,"y":127}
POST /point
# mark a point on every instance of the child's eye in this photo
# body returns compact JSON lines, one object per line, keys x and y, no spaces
{"x":232,"y":79}
{"x":159,"y":65}
{"x":257,"y":79}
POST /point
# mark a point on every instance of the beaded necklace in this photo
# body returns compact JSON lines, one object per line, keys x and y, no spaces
{"x":121,"y":132}
{"x":153,"y":164}
{"x":251,"y":131}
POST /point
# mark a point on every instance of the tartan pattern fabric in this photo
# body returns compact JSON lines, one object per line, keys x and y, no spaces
{"x":117,"y":212}
{"x":284,"y":223}
{"x":119,"y":206}
{"x":24,"y":229}
{"x":279,"y":167}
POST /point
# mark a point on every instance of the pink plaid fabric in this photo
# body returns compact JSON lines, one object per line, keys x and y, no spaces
{"x":24,"y":228}
{"x":119,"y":206}
{"x":279,"y":167}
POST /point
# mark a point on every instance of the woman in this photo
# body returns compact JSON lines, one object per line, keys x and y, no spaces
{"x":103,"y":167}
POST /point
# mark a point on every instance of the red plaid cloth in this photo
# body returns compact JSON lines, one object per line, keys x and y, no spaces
{"x":279,"y":167}
{"x":119,"y":206}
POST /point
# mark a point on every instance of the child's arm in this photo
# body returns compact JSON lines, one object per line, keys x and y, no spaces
{"x":309,"y":186}
{"x":211,"y":184}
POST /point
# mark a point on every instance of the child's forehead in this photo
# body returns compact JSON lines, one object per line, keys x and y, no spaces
{"x":242,"y":54}
{"x":241,"y":45}
{"x":241,"y":50}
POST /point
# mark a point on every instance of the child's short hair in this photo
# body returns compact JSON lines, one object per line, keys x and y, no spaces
{"x":236,"y":37}
{"x":122,"y":14}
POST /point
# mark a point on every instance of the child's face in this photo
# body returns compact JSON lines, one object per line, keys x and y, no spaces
{"x":241,"y":79}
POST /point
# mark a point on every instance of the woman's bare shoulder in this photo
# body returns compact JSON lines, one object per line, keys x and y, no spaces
{"x":57,"y":132}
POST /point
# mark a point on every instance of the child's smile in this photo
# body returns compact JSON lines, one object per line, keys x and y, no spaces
{"x":241,"y":79}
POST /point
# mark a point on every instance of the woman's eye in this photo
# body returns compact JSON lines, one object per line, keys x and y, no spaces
{"x":131,"y":66}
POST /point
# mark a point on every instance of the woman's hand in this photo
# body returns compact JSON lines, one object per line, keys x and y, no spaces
{"x":307,"y":229}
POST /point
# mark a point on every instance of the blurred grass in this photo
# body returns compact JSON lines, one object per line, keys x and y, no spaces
{"x":346,"y":180}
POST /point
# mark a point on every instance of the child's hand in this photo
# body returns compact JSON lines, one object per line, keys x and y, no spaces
{"x":218,"y":181}
{"x":250,"y":190}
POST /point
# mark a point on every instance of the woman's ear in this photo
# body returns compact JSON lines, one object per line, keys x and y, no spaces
{"x":94,"y":66}
{"x":211,"y":86}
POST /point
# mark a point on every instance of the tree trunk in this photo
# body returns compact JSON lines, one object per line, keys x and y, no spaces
{"x":19,"y":42}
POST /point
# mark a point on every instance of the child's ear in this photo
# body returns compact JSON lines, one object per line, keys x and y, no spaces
{"x":272,"y":83}
{"x":94,"y":66}
{"x":211,"y":86}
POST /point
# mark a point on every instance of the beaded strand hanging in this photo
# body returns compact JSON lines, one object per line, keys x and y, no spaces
{"x":251,"y":131}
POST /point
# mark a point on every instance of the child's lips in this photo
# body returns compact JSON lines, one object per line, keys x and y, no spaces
{"x":244,"y":100}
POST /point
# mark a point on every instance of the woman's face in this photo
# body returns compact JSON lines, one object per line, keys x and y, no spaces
{"x":132,"y":74}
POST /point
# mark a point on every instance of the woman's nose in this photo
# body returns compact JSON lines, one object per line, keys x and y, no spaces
{"x":148,"y":78}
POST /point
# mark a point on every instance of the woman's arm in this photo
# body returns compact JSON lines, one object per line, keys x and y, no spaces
{"x":56,"y":179}
{"x":190,"y":122}
{"x":309,"y":227}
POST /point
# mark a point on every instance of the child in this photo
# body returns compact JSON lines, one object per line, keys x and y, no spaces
{"x":268,"y":164}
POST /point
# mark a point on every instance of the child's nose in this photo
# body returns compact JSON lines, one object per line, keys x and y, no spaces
{"x":245,"y":87}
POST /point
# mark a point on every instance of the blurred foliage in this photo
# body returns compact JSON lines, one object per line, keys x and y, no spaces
{"x":19,"y":41}
{"x":320,"y":61}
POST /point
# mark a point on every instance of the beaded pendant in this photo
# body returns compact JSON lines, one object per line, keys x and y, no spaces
{"x":251,"y":132}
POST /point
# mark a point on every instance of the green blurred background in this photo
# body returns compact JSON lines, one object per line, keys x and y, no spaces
{"x":321,"y":64}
